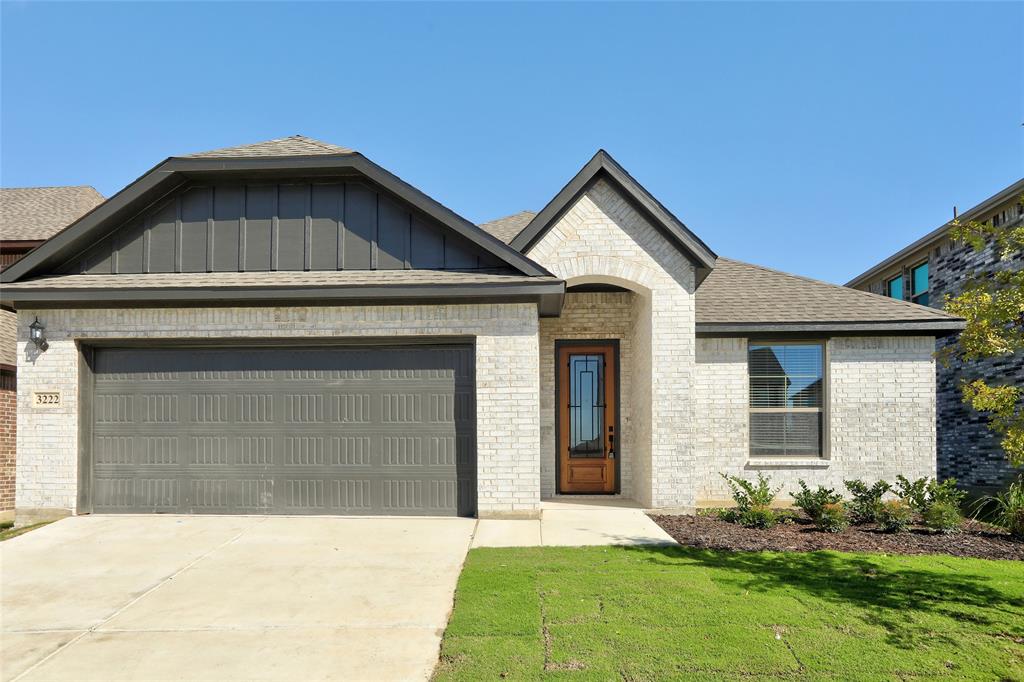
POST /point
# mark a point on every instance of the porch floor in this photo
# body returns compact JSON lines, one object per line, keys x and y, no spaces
{"x":575,"y":521}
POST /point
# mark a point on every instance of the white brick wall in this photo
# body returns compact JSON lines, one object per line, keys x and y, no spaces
{"x":603,"y":239}
{"x":506,"y":369}
{"x":881,"y":415}
{"x":587,"y":316}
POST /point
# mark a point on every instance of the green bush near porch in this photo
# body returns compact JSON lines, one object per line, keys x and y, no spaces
{"x":653,"y":613}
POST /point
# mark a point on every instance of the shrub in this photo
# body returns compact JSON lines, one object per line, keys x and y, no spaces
{"x":812,"y":501}
{"x":894,"y":516}
{"x":748,"y":495}
{"x":943,"y":516}
{"x":1010,"y":509}
{"x":833,"y":518}
{"x":914,"y":494}
{"x":866,"y":500}
{"x":729,"y":515}
{"x":758,"y":516}
{"x":945,"y":493}
{"x":924,"y":492}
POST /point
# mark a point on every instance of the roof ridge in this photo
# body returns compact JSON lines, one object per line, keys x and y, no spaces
{"x":510,"y":215}
{"x":313,"y":141}
{"x":300,"y":145}
{"x":53,"y":187}
{"x":907,"y":304}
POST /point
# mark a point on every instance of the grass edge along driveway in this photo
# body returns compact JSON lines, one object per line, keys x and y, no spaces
{"x":654,"y":613}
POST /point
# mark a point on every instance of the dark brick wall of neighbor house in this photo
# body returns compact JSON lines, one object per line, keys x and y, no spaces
{"x":8,"y":433}
{"x":966,"y":449}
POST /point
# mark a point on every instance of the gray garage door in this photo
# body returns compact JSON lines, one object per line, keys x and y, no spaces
{"x":258,"y":430}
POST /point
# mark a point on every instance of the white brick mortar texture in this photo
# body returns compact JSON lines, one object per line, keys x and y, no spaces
{"x":507,"y":374}
{"x":880,"y":415}
{"x":587,"y":316}
{"x":602,"y":238}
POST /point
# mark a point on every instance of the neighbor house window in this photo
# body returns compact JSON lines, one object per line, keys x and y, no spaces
{"x":919,"y":284}
{"x":894,"y":288}
{"x":786,"y":399}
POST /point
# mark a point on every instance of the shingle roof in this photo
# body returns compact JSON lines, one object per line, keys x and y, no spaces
{"x":296,"y":145}
{"x":227,"y":280}
{"x":8,"y":338}
{"x":508,"y":227}
{"x":741,"y":293}
{"x":37,"y":213}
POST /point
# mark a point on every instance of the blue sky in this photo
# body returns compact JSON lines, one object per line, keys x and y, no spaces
{"x":815,"y":138}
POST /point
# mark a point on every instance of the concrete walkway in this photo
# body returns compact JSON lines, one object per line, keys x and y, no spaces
{"x":228,"y":598}
{"x":575,"y":521}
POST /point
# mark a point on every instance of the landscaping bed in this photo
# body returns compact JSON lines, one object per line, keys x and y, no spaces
{"x":708,"y":531}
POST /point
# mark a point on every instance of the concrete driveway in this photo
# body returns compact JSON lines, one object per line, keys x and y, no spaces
{"x":228,"y":598}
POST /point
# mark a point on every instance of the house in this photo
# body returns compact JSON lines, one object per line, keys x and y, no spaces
{"x":28,"y":217}
{"x":926,"y":272}
{"x":287,"y":327}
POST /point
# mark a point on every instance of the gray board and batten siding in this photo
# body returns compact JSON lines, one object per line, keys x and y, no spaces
{"x":334,"y":225}
{"x":263,"y":430}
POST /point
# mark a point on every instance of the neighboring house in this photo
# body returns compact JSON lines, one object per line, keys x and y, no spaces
{"x":926,"y":272}
{"x":287,"y":327}
{"x":28,"y":217}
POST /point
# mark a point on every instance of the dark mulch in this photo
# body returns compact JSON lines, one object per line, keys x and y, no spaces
{"x":978,"y":540}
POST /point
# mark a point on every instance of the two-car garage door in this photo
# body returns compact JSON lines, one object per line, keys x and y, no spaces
{"x":258,"y":430}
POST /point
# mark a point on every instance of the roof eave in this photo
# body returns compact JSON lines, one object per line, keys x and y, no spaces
{"x":937,"y":234}
{"x":547,"y":294}
{"x":834,"y":328}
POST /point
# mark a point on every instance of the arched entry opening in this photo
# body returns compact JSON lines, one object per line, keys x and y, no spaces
{"x":596,"y":387}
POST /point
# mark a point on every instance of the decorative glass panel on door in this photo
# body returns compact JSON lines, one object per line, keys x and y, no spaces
{"x":586,"y":405}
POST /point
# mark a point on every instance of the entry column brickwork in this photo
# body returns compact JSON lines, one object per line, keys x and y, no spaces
{"x":602,"y":238}
{"x":507,"y":375}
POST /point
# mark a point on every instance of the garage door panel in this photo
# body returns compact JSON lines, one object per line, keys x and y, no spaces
{"x":325,"y":431}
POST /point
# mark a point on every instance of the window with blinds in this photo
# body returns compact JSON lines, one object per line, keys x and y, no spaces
{"x":786,"y":399}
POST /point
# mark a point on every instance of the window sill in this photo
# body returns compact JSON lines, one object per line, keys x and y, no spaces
{"x":788,"y":463}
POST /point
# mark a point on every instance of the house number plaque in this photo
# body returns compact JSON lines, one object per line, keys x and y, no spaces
{"x":45,"y":398}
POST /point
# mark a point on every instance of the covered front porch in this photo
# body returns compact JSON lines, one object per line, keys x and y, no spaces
{"x":596,"y":392}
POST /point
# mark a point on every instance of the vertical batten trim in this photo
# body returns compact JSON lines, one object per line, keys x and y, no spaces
{"x":147,"y":224}
{"x":176,"y":267}
{"x":241,"y":228}
{"x":375,"y":234}
{"x":342,"y":229}
{"x":307,"y":249}
{"x":209,"y":229}
{"x":115,"y":250}
{"x":408,"y":244}
{"x":275,"y":234}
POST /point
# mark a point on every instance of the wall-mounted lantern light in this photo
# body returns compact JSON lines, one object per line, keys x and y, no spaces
{"x":35,"y":334}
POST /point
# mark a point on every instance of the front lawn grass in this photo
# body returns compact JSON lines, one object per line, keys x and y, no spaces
{"x":8,"y":531}
{"x":655,"y":613}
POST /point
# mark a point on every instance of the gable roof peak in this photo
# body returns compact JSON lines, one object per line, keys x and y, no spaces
{"x":603,"y":165}
{"x":293,"y":145}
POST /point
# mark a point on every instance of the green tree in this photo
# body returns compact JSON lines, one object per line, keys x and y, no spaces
{"x":993,"y":305}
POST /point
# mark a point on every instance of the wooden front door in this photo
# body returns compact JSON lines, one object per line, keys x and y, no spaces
{"x":587,"y":409}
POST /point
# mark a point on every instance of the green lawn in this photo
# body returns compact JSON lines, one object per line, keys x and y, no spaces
{"x":622,"y":613}
{"x":7,"y":530}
